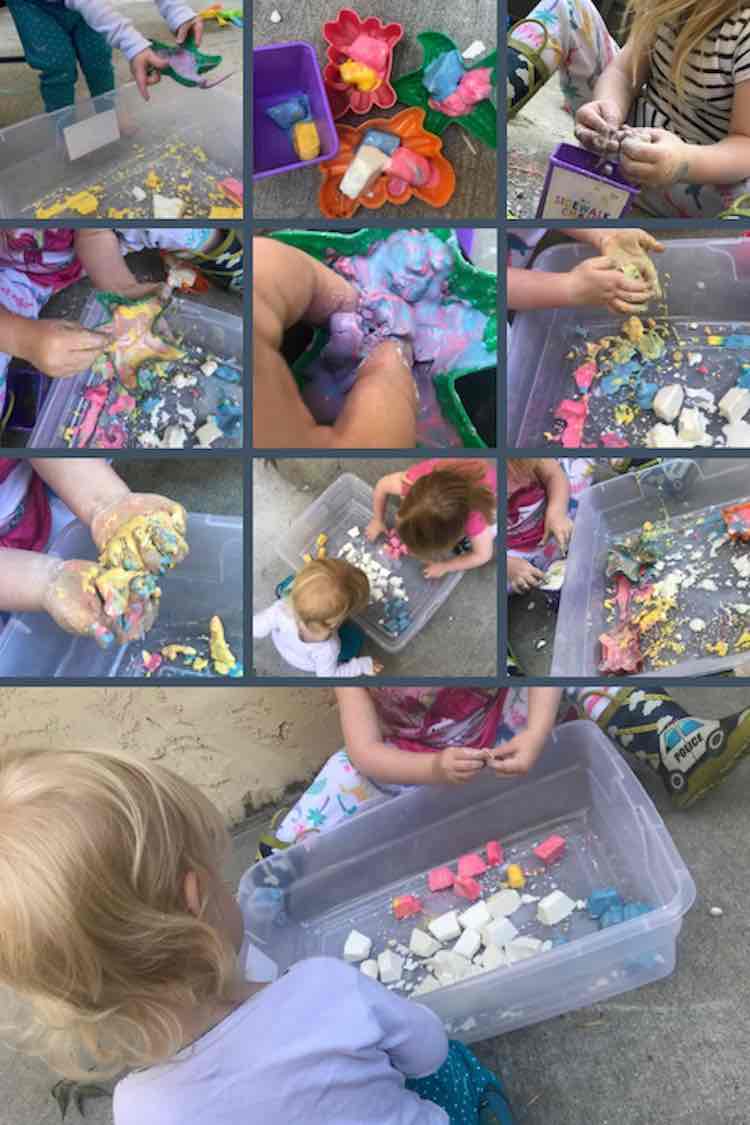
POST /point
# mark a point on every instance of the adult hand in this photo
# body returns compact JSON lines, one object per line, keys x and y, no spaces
{"x":654,"y":158}
{"x":598,"y":281}
{"x":633,"y":247}
{"x":195,"y":25}
{"x":60,"y":348}
{"x":560,"y":526}
{"x":522,"y":576}
{"x":518,"y":756}
{"x":598,"y":124}
{"x":145,"y":68}
{"x":380,"y":410}
{"x":160,"y":543}
{"x":458,"y":764}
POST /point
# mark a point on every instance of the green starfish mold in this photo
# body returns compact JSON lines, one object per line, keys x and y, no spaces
{"x":411,"y":90}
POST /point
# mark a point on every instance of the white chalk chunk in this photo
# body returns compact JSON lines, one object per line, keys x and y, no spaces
{"x":475,"y":917}
{"x":737,"y":435}
{"x":504,"y":903}
{"x":716,"y":912}
{"x":661,"y":436}
{"x":554,"y":908}
{"x":275,"y":16}
{"x":468,"y":944}
{"x":493,"y":958}
{"x":208,"y":433}
{"x":357,"y":947}
{"x":209,"y":367}
{"x":370,"y":969}
{"x":668,"y":402}
{"x":523,"y":948}
{"x":445,"y":927}
{"x":692,"y":427}
{"x":422,"y":945}
{"x":429,"y":984}
{"x":448,"y":963}
{"x":390,"y":966}
{"x":735,"y":404}
{"x":474,"y":50}
{"x":138,"y":194}
{"x":168,"y":207}
{"x":500,"y":931}
{"x":364,"y":169}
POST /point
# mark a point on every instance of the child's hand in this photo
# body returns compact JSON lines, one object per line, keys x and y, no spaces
{"x":633,"y":247}
{"x":72,"y":606}
{"x":154,"y":548}
{"x":377,"y":668}
{"x":437,"y":570}
{"x":559,"y":525}
{"x":597,"y":126}
{"x":598,"y":281}
{"x":60,"y":348}
{"x":195,"y":25}
{"x":458,"y":764}
{"x":145,"y":67}
{"x":517,"y":756}
{"x":139,"y":289}
{"x":374,"y":529}
{"x":522,"y":576}
{"x":655,"y":158}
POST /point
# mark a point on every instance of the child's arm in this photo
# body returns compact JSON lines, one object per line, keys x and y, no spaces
{"x":482,"y":547}
{"x":119,"y":32}
{"x":521,"y":753}
{"x":32,"y":582}
{"x":264,"y":622}
{"x":412,"y":1035}
{"x":389,"y":765}
{"x":390,"y":485}
{"x":598,"y":121}
{"x":56,"y":347}
{"x":595,"y":281}
{"x":326,"y":658}
{"x":100,"y":255}
{"x":557,"y":486}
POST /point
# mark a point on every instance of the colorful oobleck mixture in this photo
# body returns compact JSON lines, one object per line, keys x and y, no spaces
{"x":359,"y":60}
{"x":211,"y":653}
{"x":453,"y":89}
{"x":678,"y":590}
{"x":148,"y":392}
{"x":404,"y":295}
{"x":665,"y":384}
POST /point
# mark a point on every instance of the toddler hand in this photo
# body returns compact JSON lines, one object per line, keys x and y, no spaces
{"x":139,"y":289}
{"x":436,"y":570}
{"x":597,"y":126}
{"x":458,"y":764}
{"x":72,"y":606}
{"x":377,"y":668}
{"x":522,"y":576}
{"x":518,"y":756}
{"x":632,"y":247}
{"x":655,"y":158}
{"x":598,"y":281}
{"x":145,"y":67}
{"x":374,"y":529}
{"x":156,"y":543}
{"x":195,"y":25}
{"x":60,"y":348}
{"x":559,"y":525}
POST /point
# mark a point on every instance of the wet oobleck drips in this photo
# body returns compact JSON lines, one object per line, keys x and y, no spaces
{"x":403,"y":286}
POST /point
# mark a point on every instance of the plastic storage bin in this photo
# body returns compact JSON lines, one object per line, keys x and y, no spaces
{"x":709,"y":282}
{"x":576,"y":187}
{"x":214,"y":330}
{"x":208,"y":582}
{"x":610,"y":510}
{"x":281,"y":70}
{"x":35,"y":163}
{"x":348,"y":503}
{"x":303,"y":902}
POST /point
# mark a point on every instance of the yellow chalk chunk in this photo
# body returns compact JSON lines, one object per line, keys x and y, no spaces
{"x":359,"y":75}
{"x":515,"y":877}
{"x":306,"y":140}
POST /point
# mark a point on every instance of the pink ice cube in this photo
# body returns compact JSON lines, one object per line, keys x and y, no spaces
{"x":440,"y":879}
{"x":471,"y":864}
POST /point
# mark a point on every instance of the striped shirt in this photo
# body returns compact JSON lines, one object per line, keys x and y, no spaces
{"x":712,"y":70}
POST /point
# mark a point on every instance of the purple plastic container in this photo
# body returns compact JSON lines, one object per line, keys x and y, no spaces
{"x":575,"y":188}
{"x":280,"y":71}
{"x":30,"y":388}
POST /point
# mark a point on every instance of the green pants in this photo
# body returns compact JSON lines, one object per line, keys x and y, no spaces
{"x":55,"y":41}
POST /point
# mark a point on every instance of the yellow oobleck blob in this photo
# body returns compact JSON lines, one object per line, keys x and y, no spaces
{"x":359,"y":75}
{"x":221,"y":654}
{"x":127,"y":545}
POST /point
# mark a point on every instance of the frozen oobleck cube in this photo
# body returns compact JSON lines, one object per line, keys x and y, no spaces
{"x":668,"y":402}
{"x":406,"y":906}
{"x":447,"y":960}
{"x":500,"y":931}
{"x":515,"y":877}
{"x":471,"y":864}
{"x":523,"y":948}
{"x":369,"y":968}
{"x":386,"y":142}
{"x":466,"y":887}
{"x":353,"y":533}
{"x":612,"y":917}
{"x":421,"y":944}
{"x":662,"y":437}
{"x":503,"y":903}
{"x":429,"y":984}
{"x":287,"y":113}
{"x":475,"y":917}
{"x":468,"y":944}
{"x":737,"y":435}
{"x":357,"y":947}
{"x":493,"y":958}
{"x":735,"y":404}
{"x":390,"y":966}
{"x":634,"y":910}
{"x":554,"y":907}
{"x":442,"y":76}
{"x":445,"y":927}
{"x":551,"y":850}
{"x":494,"y":850}
{"x":692,"y":427}
{"x":368,"y":163}
{"x":602,"y":899}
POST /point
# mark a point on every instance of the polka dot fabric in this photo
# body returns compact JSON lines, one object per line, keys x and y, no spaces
{"x":468,"y":1092}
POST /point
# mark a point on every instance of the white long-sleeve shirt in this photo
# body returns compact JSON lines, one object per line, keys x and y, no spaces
{"x":320,"y":657}
{"x":118,"y":30}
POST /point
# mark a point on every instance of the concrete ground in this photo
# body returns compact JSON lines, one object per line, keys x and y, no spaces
{"x":19,"y":84}
{"x":293,"y":195}
{"x":672,"y":1053}
{"x":461,"y":638}
{"x":213,"y":485}
{"x":146,"y":265}
{"x":532,"y":135}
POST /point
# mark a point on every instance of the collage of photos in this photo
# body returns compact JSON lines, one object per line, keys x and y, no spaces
{"x":374,"y":620}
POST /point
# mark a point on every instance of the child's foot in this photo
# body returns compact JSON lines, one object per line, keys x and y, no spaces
{"x":269,"y":843}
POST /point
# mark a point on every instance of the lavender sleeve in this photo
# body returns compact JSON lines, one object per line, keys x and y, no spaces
{"x":118,"y":30}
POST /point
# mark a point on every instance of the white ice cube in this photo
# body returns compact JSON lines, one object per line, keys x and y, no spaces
{"x":668,"y":402}
{"x":390,"y":966}
{"x":445,"y":927}
{"x":421,"y":944}
{"x":475,"y":917}
{"x":369,"y":968}
{"x":554,"y":908}
{"x":468,"y":944}
{"x":499,"y":932}
{"x":504,"y":903}
{"x":357,"y":947}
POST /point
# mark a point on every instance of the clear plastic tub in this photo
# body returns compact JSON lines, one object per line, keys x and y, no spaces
{"x":684,"y":492}
{"x":162,"y":134}
{"x":709,"y":285}
{"x":216,"y":331}
{"x":304,"y":901}
{"x":208,"y":582}
{"x":348,"y":503}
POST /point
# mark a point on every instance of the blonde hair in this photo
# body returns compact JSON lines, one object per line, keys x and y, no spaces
{"x":96,"y":939}
{"x":432,"y":516}
{"x":524,"y":470}
{"x":326,"y":592}
{"x":692,"y":21}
